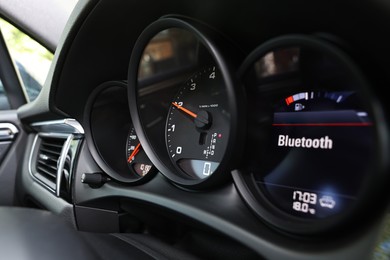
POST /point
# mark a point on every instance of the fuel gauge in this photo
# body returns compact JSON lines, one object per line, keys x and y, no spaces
{"x":137,"y":160}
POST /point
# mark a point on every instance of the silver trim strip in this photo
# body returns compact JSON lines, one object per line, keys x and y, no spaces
{"x":61,"y":163}
{"x":11,"y":127}
{"x":7,"y":131}
{"x":68,"y":125}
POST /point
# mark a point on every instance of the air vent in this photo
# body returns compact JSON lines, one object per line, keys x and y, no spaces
{"x":51,"y":161}
{"x":49,"y":153}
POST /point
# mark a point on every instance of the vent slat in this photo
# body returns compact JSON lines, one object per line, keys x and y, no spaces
{"x":50,"y":166}
{"x":47,"y":157}
{"x":56,"y":153}
{"x":53,"y":145}
{"x":48,"y":173}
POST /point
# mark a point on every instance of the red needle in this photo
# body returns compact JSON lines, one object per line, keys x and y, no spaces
{"x":185,"y":110}
{"x":135,"y":151}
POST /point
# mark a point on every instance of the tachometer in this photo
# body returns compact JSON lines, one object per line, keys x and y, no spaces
{"x":178,"y":66}
{"x":198,"y":124}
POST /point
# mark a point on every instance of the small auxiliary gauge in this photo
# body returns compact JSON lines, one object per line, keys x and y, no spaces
{"x":111,"y":136}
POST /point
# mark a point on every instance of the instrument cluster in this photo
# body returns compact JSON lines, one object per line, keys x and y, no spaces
{"x":292,"y":124}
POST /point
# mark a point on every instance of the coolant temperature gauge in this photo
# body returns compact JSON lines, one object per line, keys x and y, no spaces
{"x":137,"y":160}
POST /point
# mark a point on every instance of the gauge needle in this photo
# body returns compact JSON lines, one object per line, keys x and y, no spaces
{"x":135,"y":151}
{"x":185,"y":110}
{"x":202,"y":118}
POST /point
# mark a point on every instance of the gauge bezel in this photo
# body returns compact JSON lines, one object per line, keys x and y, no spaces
{"x":211,"y":41}
{"x":133,"y":178}
{"x":370,"y":190}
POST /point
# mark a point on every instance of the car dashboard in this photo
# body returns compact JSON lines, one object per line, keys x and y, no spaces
{"x":225,"y":129}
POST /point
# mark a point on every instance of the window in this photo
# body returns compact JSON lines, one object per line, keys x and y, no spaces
{"x":30,"y":58}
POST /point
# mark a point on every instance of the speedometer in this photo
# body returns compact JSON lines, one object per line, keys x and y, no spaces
{"x":198,"y":124}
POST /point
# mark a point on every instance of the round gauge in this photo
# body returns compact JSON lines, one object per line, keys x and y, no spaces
{"x":314,"y":152}
{"x":137,"y":160}
{"x":111,"y":136}
{"x":198,"y":124}
{"x":184,"y":99}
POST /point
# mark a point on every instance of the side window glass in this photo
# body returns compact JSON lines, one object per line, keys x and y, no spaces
{"x":30,"y":58}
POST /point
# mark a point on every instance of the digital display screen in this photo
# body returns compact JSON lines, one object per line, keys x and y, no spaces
{"x":318,"y":155}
